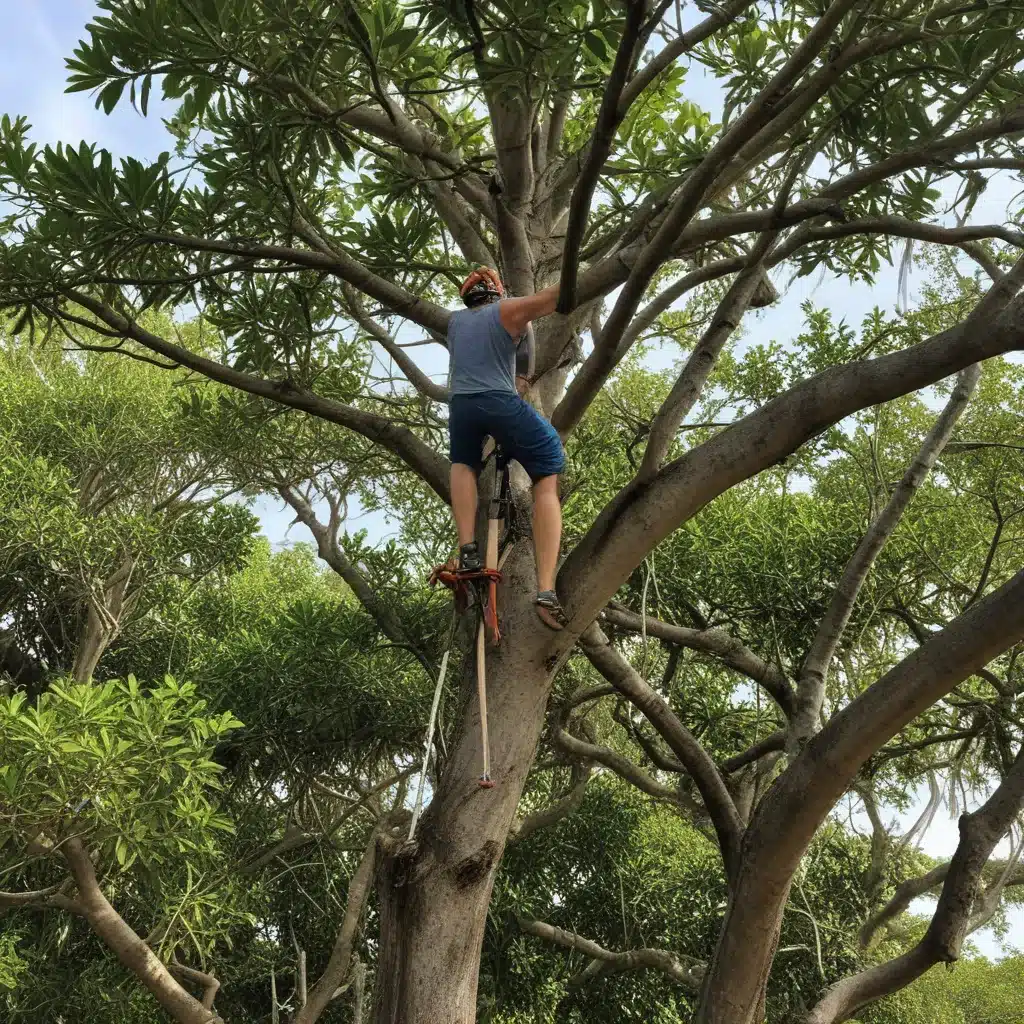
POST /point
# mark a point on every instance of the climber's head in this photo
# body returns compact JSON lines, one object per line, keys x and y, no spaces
{"x":481,"y":287}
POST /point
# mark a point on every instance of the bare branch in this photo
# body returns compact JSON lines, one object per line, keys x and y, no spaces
{"x":399,"y":440}
{"x":687,"y":388}
{"x":525,"y":827}
{"x":293,"y":839}
{"x":419,"y":380}
{"x":597,"y":150}
{"x":811,"y":682}
{"x":913,"y":888}
{"x":759,"y":112}
{"x":340,"y":962}
{"x":452,"y":208}
{"x":717,"y":642}
{"x":607,"y":275}
{"x":954,"y":915}
{"x":677,"y":48}
{"x":296,"y":838}
{"x":906,"y":892}
{"x":686,"y":972}
{"x":393,"y":127}
{"x":426,"y":314}
{"x":618,"y":671}
{"x":620,"y":765}
{"x":328,"y":548}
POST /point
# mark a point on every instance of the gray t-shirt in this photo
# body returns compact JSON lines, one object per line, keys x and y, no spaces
{"x":482,"y":354}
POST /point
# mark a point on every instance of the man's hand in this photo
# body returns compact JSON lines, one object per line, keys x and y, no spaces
{"x":516,"y":314}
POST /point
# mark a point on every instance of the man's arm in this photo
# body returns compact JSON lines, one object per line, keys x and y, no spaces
{"x":525,"y":360}
{"x":516,"y":314}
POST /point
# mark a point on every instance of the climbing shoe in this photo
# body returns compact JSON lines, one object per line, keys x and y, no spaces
{"x":469,"y":558}
{"x":549,"y":610}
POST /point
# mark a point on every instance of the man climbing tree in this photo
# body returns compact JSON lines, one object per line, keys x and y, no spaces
{"x":483,"y":343}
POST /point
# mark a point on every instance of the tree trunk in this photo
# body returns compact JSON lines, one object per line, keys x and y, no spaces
{"x":434,"y":894}
{"x":755,"y":914}
{"x":102,"y":622}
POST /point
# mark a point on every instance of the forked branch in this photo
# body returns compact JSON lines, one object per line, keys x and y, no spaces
{"x":954,"y":916}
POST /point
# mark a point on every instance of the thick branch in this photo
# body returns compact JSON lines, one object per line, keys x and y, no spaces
{"x":769,"y":745}
{"x":819,"y":776}
{"x":720,"y":807}
{"x":687,"y":973}
{"x":640,"y":518}
{"x":399,"y":440}
{"x":811,"y":683}
{"x":340,"y":962}
{"x":40,"y":899}
{"x":126,"y":945}
{"x":726,"y":648}
{"x":209,"y":984}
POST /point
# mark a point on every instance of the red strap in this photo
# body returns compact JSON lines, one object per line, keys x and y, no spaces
{"x":458,"y":580}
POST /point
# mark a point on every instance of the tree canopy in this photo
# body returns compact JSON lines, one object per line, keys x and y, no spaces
{"x":791,"y":564}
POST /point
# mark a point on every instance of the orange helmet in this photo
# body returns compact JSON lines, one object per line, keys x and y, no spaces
{"x":483,"y":285}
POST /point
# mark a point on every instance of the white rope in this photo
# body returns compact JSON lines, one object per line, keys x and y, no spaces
{"x":429,"y":745}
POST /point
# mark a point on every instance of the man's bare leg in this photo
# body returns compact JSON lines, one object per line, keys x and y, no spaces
{"x":547,"y":530}
{"x":464,"y":498}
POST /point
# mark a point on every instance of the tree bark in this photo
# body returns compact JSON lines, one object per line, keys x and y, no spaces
{"x":127,"y":946}
{"x":102,"y":622}
{"x":433,"y":894}
{"x":787,"y":818}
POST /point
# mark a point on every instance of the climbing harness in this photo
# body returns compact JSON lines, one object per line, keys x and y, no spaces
{"x":483,"y":581}
{"x":483,"y":585}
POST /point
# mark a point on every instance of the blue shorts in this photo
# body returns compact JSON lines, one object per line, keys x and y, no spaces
{"x":520,"y":430}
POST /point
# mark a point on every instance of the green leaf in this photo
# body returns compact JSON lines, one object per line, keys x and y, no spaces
{"x":110,"y":94}
{"x":403,"y":40}
{"x":596,"y":45}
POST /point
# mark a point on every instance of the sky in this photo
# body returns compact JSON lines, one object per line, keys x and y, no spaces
{"x":40,"y":34}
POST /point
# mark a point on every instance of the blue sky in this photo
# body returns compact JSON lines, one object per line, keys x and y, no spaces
{"x":40,"y":34}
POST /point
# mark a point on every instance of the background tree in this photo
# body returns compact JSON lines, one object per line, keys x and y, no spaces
{"x":336,"y":172}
